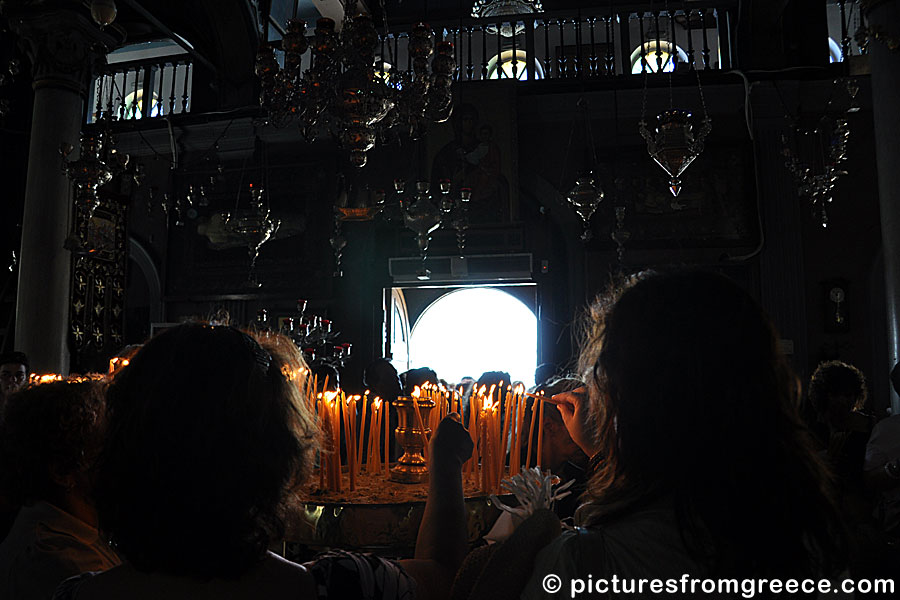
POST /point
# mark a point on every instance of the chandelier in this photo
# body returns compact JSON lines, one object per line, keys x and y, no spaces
{"x":487,"y":9}
{"x":97,"y":163}
{"x":421,"y":215}
{"x":346,"y":93}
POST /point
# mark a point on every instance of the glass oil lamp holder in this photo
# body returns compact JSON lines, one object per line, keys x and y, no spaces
{"x":585,"y":196}
{"x":674,"y":143}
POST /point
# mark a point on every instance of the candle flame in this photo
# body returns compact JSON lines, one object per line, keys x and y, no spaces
{"x":416,"y":392}
{"x":520,"y":388}
{"x":329,"y":396}
{"x":376,"y":403}
{"x":36,"y":379}
{"x":116,"y":363}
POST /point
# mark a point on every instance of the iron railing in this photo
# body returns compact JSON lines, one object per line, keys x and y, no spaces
{"x":573,"y":45}
{"x":141,"y":89}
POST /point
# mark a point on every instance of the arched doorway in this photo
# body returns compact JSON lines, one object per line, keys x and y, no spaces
{"x":472,"y":330}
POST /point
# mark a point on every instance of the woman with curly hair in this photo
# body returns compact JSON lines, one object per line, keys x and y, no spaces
{"x":701,"y":465}
{"x":207,"y":435}
{"x":49,"y":437}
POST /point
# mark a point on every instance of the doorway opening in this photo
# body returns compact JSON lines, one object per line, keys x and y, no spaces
{"x":467,"y":331}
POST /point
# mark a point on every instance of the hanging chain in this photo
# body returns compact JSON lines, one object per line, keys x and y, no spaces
{"x":673,"y":52}
{"x":644,"y":97}
{"x":387,"y":32}
{"x":562,"y":177}
{"x":590,"y":132}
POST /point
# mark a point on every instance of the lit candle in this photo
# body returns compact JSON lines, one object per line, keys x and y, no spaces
{"x":350,"y":407}
{"x":386,"y":415}
{"x":516,"y":464}
{"x":333,"y":409}
{"x":474,"y":432}
{"x":337,"y":462}
{"x":498,"y":446}
{"x":374,"y":464}
{"x":534,"y":410}
{"x":362,"y":430}
{"x":482,"y":434}
{"x":415,"y":399}
{"x":322,"y":422}
{"x":508,"y":419}
{"x":540,"y":444}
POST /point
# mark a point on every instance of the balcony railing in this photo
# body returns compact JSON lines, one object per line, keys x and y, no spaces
{"x":617,"y":41}
{"x":142,"y":89}
{"x":578,"y":45}
{"x":844,"y":20}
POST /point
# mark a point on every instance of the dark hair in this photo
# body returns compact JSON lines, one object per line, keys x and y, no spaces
{"x":207,"y":432}
{"x":498,"y":378}
{"x":835,"y":378}
{"x":417,"y":377}
{"x":49,"y":431}
{"x":382,"y":379}
{"x":694,"y":401}
{"x":8,"y":358}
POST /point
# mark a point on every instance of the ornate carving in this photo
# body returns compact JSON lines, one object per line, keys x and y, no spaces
{"x":64,"y":46}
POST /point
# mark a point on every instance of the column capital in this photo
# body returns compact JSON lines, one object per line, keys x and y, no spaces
{"x":65,"y":47}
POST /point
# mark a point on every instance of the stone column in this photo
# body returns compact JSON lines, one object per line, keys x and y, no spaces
{"x":884,"y":58}
{"x":63,"y":46}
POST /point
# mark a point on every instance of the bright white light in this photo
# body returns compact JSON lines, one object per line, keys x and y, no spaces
{"x":470,"y":331}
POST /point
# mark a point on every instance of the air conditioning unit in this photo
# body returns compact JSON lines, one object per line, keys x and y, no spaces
{"x":478,"y":267}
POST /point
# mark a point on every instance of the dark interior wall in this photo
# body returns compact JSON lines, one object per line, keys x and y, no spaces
{"x":569,"y":272}
{"x":15,"y":132}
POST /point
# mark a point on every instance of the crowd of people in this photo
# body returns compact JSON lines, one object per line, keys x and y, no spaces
{"x":692,"y":448}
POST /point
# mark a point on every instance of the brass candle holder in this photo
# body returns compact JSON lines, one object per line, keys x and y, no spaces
{"x":411,"y":466}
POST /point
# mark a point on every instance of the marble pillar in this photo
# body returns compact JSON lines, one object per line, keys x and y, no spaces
{"x":64,"y":46}
{"x":884,"y":59}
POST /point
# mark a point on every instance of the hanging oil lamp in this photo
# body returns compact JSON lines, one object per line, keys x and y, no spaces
{"x":674,"y":144}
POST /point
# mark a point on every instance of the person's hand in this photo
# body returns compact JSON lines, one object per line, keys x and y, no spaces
{"x":451,"y":444}
{"x":574,"y":406}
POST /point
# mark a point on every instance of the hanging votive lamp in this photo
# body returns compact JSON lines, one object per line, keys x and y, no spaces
{"x":674,"y":144}
{"x":585,"y":196}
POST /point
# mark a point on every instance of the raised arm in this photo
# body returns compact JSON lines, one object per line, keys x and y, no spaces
{"x":441,"y":543}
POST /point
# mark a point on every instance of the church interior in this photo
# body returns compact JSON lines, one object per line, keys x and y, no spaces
{"x":770,"y":83}
{"x":338,"y":170}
